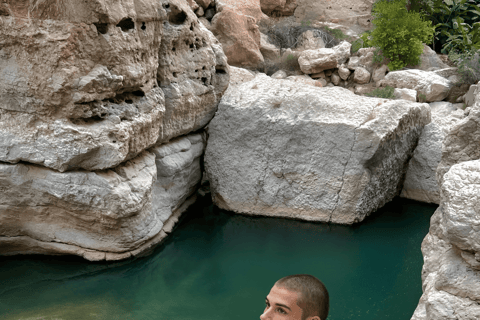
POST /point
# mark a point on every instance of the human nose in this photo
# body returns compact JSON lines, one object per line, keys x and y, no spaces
{"x":265,"y":315}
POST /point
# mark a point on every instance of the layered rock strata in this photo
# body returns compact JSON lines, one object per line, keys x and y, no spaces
{"x":280,"y":148}
{"x":104,"y":215}
{"x":90,"y":91}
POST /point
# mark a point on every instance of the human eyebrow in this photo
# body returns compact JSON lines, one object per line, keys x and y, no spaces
{"x":278,"y":304}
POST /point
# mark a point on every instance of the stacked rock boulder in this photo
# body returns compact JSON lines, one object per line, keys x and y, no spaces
{"x":93,"y":98}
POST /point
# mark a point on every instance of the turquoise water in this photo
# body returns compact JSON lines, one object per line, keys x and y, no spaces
{"x":219,"y":265}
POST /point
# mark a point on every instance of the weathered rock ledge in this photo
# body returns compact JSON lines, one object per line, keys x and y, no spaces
{"x":98,"y":102}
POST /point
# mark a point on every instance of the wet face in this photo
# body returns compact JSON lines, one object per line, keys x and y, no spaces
{"x":281,"y":304}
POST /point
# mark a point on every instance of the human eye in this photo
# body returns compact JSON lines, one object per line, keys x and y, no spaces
{"x":280,"y":310}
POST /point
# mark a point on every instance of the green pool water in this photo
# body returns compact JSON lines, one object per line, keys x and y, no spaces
{"x":219,"y":265}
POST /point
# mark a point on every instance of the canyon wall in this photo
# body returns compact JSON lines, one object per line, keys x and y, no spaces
{"x":100,"y":103}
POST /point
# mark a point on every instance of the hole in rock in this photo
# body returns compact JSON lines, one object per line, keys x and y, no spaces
{"x":143,"y":27}
{"x":129,"y":101}
{"x":177,"y":16}
{"x":101,"y":27}
{"x":191,"y":46}
{"x":220,"y":70}
{"x":174,"y":74}
{"x":191,"y":27}
{"x":139,"y":93}
{"x":173,"y":49}
{"x":204,"y":80}
{"x":196,"y":70}
{"x":203,"y":68}
{"x":126,"y":24}
{"x":166,"y":6}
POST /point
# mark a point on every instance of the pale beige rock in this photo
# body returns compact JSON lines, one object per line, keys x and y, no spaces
{"x":302,"y":79}
{"x":268,"y":50}
{"x":280,"y":148}
{"x":250,"y":8}
{"x":199,"y":12}
{"x":278,"y":7}
{"x":407,"y":94}
{"x":80,"y":90}
{"x":462,"y":142}
{"x":314,"y":61}
{"x":280,"y":74}
{"x":473,"y":95}
{"x":349,"y":13}
{"x":335,"y":79}
{"x":433,"y":86}
{"x":420,"y":181}
{"x":318,"y":75}
{"x":343,"y":72}
{"x":361,"y":75}
{"x":362,"y":58}
{"x":429,"y":59}
{"x":238,"y":76}
{"x":379,"y":73}
{"x":308,"y":41}
{"x":239,"y":35}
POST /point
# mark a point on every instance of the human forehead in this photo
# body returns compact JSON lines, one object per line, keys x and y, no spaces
{"x":284,"y":296}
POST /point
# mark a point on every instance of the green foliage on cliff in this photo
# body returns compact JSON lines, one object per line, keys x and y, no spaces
{"x":398,"y":33}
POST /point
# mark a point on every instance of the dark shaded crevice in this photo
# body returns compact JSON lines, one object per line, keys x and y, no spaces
{"x":220,"y":70}
{"x":143,"y":27}
{"x":102,"y":28}
{"x":176,"y":16}
{"x":126,"y":24}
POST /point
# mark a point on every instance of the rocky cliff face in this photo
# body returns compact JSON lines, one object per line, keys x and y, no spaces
{"x":451,"y":250}
{"x":90,"y":92}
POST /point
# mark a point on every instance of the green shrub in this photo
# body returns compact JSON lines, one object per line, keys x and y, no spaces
{"x":422,"y":97}
{"x":398,"y":33}
{"x":386,"y":93}
{"x":468,"y":64}
{"x":455,"y":24}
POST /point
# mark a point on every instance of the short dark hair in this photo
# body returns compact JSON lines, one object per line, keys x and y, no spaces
{"x":313,"y":298}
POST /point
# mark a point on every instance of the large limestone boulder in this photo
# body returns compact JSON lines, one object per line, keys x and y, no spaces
{"x":420,"y":181}
{"x":78,"y":83}
{"x":279,"y":148}
{"x":102,"y":215}
{"x":451,"y":272}
{"x":315,"y":61}
{"x":426,"y":83}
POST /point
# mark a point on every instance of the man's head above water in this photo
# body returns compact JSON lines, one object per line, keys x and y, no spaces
{"x":297,"y":297}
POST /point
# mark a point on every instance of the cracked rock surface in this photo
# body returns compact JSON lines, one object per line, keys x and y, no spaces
{"x":280,"y":148}
{"x":451,"y":250}
{"x":420,"y":182}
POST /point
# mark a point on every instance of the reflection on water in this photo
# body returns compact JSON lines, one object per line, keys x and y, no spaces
{"x":218,"y":265}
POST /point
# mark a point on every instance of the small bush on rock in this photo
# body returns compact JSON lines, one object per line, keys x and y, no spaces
{"x":399,"y":33}
{"x":386,"y":93}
